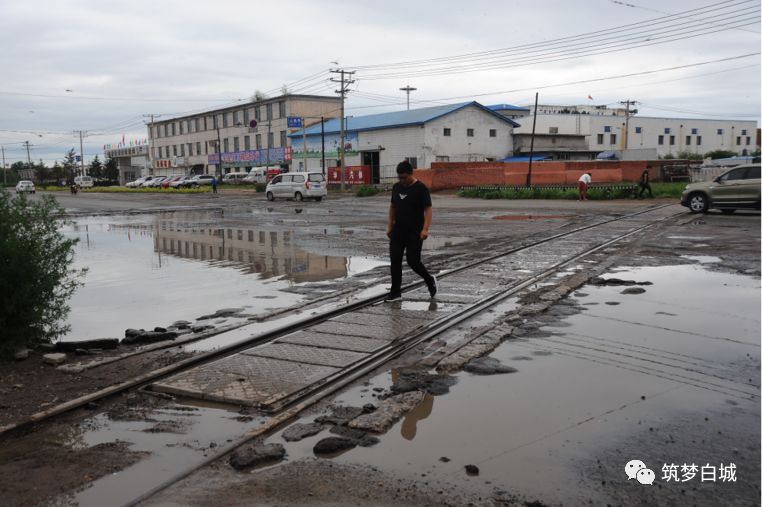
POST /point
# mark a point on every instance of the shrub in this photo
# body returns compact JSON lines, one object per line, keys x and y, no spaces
{"x":367,"y":191}
{"x":36,"y":279}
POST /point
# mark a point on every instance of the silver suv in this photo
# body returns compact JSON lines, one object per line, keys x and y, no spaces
{"x":738,"y":188}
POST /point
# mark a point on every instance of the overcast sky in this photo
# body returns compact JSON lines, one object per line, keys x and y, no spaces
{"x":100,"y":66}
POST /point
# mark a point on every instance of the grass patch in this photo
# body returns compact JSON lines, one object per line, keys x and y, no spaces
{"x":367,"y":191}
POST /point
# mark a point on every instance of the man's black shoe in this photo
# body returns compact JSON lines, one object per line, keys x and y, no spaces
{"x":393,"y":296}
{"x":433,"y":286}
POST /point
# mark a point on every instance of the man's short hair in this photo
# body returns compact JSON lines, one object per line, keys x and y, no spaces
{"x":404,"y":167}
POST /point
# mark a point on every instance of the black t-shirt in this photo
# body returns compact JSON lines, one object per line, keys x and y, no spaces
{"x":409,"y":204}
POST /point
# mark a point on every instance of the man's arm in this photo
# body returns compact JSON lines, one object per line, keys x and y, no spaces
{"x":427,"y":214}
{"x":390,"y":221}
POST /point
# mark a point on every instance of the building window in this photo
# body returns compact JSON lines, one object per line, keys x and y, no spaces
{"x":165,"y":130}
{"x":205,"y":126}
{"x":226,"y":144}
{"x":224,"y":120}
{"x":270,"y":139}
{"x":600,"y":138}
{"x":738,"y":140}
{"x":743,"y":132}
{"x":182,"y":150}
{"x":156,"y":131}
{"x":671,"y":140}
{"x":174,"y":150}
{"x":246,"y":142}
{"x":269,"y":111}
{"x":174,"y":131}
{"x":694,"y":131}
{"x":182,"y":129}
{"x":493,"y":132}
{"x":198,"y":148}
{"x":469,"y":132}
{"x":613,"y":139}
{"x":638,"y":130}
{"x":661,"y":140}
{"x":236,"y":146}
{"x":698,"y":140}
{"x":235,"y":118}
{"x":719,"y":132}
{"x":748,"y":140}
{"x":551,"y":130}
{"x":666,"y":130}
{"x":197,"y":124}
{"x":446,"y":132}
{"x":282,"y":109}
{"x":687,"y":140}
{"x":256,"y":113}
{"x":246,"y":117}
{"x":413,"y":161}
{"x":607,"y":129}
{"x":283,"y":139}
{"x":258,"y":141}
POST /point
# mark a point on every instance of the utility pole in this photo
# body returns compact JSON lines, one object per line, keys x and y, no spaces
{"x":344,"y":88}
{"x":322,"y":143}
{"x":219,"y":146}
{"x":150,"y":137}
{"x":531,"y":143}
{"x":28,"y":156}
{"x":408,"y":89}
{"x":81,"y":153}
{"x":626,"y":104}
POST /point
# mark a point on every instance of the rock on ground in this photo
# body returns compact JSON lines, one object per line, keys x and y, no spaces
{"x":389,"y":411}
{"x":418,"y":380}
{"x":487,"y":366}
{"x":55,"y":358}
{"x":297,"y":432}
{"x":330,"y":445}
{"x":633,"y":290}
{"x":256,"y":454}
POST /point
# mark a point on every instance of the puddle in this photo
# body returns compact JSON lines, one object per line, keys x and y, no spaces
{"x":703,"y":259}
{"x":609,"y":374}
{"x":151,"y":271}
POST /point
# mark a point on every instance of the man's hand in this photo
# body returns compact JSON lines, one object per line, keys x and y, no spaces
{"x":424,"y":234}
{"x":389,"y":232}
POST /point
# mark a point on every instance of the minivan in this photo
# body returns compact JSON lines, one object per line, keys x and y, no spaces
{"x":233,"y":178}
{"x":297,"y":186}
{"x":83,"y":181}
{"x":256,"y":175}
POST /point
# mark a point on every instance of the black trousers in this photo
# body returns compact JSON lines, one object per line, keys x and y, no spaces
{"x":643,"y":188}
{"x":400,"y":245}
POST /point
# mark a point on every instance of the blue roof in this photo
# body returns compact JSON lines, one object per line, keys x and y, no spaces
{"x":407,"y":118}
{"x":525,"y":158}
{"x":507,"y":107}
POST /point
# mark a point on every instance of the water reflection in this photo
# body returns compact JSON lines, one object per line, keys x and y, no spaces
{"x":269,"y":253}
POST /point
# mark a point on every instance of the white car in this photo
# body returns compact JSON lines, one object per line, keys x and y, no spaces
{"x":233,"y":178}
{"x":84,"y":181}
{"x":156,"y":182}
{"x":202,"y":179}
{"x":183,"y":182}
{"x":138,"y":182}
{"x":25,"y":186}
{"x":297,"y":186}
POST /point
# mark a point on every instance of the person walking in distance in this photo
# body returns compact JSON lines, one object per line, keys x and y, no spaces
{"x":644,"y":185}
{"x":214,"y":184}
{"x":582,"y":184}
{"x":407,"y":227}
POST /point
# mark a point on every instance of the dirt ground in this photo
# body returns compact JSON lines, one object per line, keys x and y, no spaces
{"x":29,"y":386}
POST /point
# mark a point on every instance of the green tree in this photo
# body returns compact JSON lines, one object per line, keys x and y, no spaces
{"x":70,"y":166}
{"x":58,"y":173}
{"x":36,"y":278}
{"x":720,"y":154}
{"x":111,"y":171}
{"x":41,"y":174}
{"x":687,"y":155}
{"x":96,"y":168}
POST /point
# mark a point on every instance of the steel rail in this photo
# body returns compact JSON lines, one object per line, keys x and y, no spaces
{"x":270,"y":335}
{"x":293,"y":406}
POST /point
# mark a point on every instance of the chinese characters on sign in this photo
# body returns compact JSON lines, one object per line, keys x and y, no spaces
{"x":707,"y":473}
{"x":253,"y":157}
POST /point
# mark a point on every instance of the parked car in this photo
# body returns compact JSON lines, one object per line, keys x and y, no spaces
{"x":155,"y":182}
{"x":25,"y":186}
{"x":297,"y":186}
{"x":165,"y":183}
{"x":183,"y":182}
{"x":136,"y":183}
{"x":203,"y":179}
{"x":737,"y":188}
{"x":84,"y":181}
{"x":234,"y":178}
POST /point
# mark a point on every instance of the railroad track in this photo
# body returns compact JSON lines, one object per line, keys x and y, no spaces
{"x":495,"y":286}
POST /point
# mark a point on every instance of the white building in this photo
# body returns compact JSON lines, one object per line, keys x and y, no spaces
{"x":132,"y":161}
{"x":582,"y":136}
{"x":461,"y":132}
{"x":189,"y":144}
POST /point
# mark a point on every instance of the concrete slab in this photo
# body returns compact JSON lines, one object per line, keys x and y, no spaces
{"x":334,"y":341}
{"x":245,"y":380}
{"x":307,"y":354}
{"x":347,"y":329}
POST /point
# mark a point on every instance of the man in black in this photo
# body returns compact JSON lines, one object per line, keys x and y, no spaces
{"x":407,"y":227}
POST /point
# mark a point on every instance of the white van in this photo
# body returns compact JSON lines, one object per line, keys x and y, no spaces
{"x":297,"y":186}
{"x":83,"y":181}
{"x":256,"y":175}
{"x":233,"y":178}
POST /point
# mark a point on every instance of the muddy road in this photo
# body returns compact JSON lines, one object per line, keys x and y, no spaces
{"x":646,"y":350}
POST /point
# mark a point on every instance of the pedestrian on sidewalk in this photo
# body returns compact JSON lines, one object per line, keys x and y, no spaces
{"x":644,"y":185}
{"x":582,"y":184}
{"x":407,"y":227}
{"x":214,"y":184}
